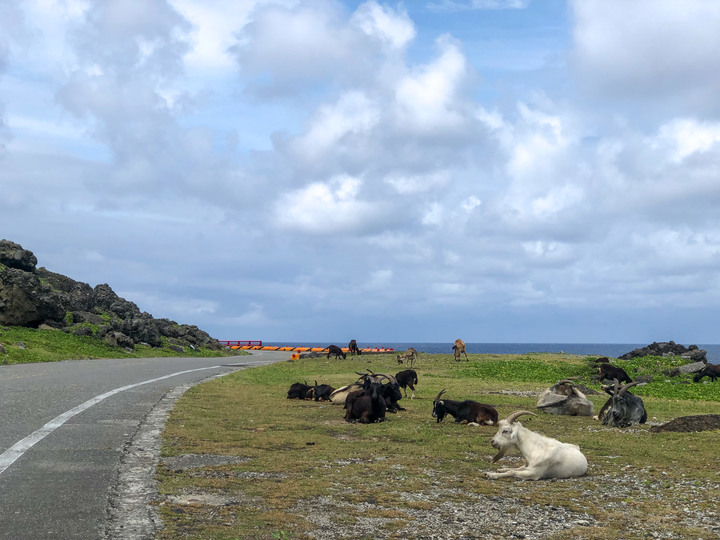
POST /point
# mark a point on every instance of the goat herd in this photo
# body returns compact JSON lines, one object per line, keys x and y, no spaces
{"x":368,"y":399}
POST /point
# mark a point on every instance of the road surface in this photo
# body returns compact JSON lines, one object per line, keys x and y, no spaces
{"x":64,"y":427}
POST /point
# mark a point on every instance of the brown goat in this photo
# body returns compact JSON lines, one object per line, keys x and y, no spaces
{"x":458,"y":349}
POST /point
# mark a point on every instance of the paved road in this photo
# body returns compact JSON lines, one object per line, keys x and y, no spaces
{"x":63,"y":428}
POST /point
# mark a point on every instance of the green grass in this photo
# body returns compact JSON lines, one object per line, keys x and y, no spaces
{"x":55,"y":345}
{"x":298,"y":451}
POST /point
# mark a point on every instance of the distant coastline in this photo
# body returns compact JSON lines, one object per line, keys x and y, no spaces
{"x":611,"y":350}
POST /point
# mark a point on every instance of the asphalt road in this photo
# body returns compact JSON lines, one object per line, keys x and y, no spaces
{"x":63,"y":429}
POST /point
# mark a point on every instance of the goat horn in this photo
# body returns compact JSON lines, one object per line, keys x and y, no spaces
{"x":437,"y":398}
{"x":569,"y":380}
{"x":514,"y":416}
{"x":625,"y":388}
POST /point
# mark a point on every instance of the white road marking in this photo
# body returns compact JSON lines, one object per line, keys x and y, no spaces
{"x":9,"y":456}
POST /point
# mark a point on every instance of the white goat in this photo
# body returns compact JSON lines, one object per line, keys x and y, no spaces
{"x":544,"y":457}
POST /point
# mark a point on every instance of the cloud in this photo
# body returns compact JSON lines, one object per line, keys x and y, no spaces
{"x":327,"y":208}
{"x":649,"y":50}
{"x":311,"y":46}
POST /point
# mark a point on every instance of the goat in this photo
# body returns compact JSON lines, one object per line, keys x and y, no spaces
{"x":410,"y":355}
{"x":334,"y":349}
{"x":458,"y":349}
{"x":544,"y":457}
{"x":470,"y":411}
{"x":623,"y":408}
{"x":367,"y":406}
{"x":710,"y":370}
{"x":353,"y":347}
{"x":340,"y":395}
{"x":320,"y":392}
{"x":391,"y":394}
{"x":298,"y":391}
{"x":407,"y":378}
{"x":608,"y":371}
{"x":564,"y":398}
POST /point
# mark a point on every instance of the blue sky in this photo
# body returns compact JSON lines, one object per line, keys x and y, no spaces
{"x":495,"y":170}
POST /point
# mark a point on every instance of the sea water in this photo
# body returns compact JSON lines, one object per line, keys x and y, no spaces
{"x":611,"y":350}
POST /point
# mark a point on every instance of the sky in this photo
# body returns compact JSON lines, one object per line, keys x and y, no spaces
{"x":491,"y":170}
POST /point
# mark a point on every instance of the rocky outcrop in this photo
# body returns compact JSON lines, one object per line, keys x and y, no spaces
{"x":36,"y":297}
{"x":668,"y":348}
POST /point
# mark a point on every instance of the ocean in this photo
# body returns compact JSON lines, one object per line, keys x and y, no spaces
{"x":611,"y":350}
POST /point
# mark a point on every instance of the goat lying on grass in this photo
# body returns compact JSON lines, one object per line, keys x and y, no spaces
{"x":564,"y":398}
{"x":470,"y":411}
{"x":544,"y":457}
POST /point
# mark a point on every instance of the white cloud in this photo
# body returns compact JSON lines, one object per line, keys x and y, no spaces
{"x":353,"y":113}
{"x":649,"y":49}
{"x":384,"y":23}
{"x":325,"y":208}
{"x":427,"y":99}
{"x":686,"y":136}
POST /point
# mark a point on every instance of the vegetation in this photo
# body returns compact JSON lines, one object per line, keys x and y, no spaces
{"x":24,"y":345}
{"x":298,"y":463}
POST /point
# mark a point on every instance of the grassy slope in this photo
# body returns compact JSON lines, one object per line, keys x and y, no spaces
{"x":55,"y":345}
{"x":298,"y":451}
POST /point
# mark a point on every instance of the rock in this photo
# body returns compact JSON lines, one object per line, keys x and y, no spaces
{"x":36,"y":297}
{"x":118,"y":339}
{"x":82,"y":331}
{"x":699,"y":422}
{"x":14,"y":256}
{"x":2,"y":349}
{"x":26,"y":301}
{"x":176,"y":348}
{"x":669,"y":348}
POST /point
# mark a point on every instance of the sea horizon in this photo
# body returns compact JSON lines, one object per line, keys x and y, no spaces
{"x":611,"y":350}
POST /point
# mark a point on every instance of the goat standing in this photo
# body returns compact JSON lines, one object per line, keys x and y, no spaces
{"x":353,"y":348}
{"x":458,"y":349}
{"x":337,"y":351}
{"x":544,"y":457}
{"x":710,"y":370}
{"x":410,"y":355}
{"x":407,"y":378}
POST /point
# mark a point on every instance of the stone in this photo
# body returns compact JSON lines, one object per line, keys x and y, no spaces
{"x":36,"y":297}
{"x":669,"y":348}
{"x":14,"y":256}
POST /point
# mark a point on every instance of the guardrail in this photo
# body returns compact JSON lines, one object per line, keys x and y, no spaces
{"x":240,"y":343}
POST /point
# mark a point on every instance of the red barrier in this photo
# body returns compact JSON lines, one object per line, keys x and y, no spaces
{"x":239,"y":343}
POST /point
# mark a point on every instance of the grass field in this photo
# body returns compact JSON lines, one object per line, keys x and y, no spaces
{"x":242,"y":461}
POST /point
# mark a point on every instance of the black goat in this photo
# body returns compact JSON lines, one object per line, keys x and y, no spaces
{"x":391,"y":394}
{"x":367,"y":406}
{"x":470,"y":411}
{"x":334,"y":349}
{"x":405,"y":379}
{"x":710,"y":370}
{"x":608,"y":371}
{"x":298,"y":391}
{"x":320,"y":392}
{"x":353,"y":346}
{"x":623,"y":408}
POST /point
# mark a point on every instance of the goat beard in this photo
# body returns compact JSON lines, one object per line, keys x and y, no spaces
{"x":499,"y":455}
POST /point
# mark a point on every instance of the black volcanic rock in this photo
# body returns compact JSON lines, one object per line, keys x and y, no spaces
{"x":668,"y":348}
{"x":31,"y":297}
